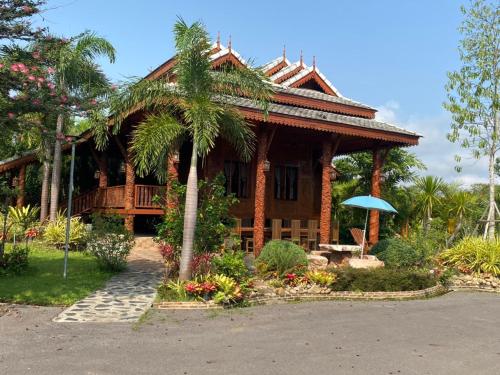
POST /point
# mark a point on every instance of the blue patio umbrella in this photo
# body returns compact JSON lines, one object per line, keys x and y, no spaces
{"x":369,"y":203}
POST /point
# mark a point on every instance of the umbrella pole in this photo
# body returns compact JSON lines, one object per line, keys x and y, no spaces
{"x":364,"y":235}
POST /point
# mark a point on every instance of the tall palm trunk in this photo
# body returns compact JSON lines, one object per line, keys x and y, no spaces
{"x":492,"y":208}
{"x":44,"y":198}
{"x":55,"y":184}
{"x":190,"y":211}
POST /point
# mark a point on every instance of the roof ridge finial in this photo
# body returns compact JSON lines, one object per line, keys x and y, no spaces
{"x":314,"y":62}
{"x":301,"y":58}
{"x":229,"y":44}
{"x":284,"y":52}
{"x":218,"y":39}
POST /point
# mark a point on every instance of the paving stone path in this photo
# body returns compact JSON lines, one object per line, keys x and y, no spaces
{"x":127,"y":295}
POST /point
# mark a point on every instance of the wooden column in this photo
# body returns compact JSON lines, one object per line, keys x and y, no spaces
{"x":172,"y":175}
{"x":103,"y":171}
{"x":326,"y":193}
{"x":260,"y":191}
{"x":129,"y":197}
{"x":378,"y":161}
{"x":21,"y":186}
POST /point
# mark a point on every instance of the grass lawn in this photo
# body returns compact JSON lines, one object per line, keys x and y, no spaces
{"x":43,"y":284}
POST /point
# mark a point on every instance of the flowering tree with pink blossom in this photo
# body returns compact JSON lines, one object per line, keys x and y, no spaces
{"x":16,"y":17}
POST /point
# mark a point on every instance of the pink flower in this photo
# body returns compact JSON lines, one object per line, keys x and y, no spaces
{"x":36,"y":55}
{"x":52,"y":93}
{"x":51,"y":70}
{"x":64,"y":99}
{"x":32,"y":78}
{"x":93,"y":101}
{"x":27,"y":9}
{"x":11,"y":115}
{"x":40,"y":79}
{"x":50,"y":85}
{"x":1,"y":66}
{"x":114,"y":87}
{"x":36,"y":102}
{"x":34,"y":68}
{"x":14,"y":68}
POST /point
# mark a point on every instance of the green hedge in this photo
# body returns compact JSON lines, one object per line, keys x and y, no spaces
{"x":396,"y":253}
{"x":281,"y":257}
{"x":382,"y":280}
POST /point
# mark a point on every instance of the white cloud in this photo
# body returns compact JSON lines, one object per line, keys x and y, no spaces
{"x":434,"y":149}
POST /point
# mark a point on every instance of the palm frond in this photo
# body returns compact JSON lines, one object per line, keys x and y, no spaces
{"x":235,"y":130}
{"x":90,"y":46}
{"x":139,"y":93}
{"x":153,"y":140}
{"x":247,"y":81}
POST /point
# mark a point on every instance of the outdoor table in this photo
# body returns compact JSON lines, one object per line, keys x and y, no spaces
{"x":339,"y":253}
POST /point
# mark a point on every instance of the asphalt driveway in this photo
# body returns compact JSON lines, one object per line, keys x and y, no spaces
{"x":458,"y":333}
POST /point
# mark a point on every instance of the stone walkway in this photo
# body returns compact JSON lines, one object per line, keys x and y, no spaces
{"x":127,"y":295}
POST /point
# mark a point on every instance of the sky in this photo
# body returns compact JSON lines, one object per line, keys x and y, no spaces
{"x":390,"y":54}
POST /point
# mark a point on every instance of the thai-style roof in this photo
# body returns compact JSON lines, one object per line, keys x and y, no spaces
{"x":303,"y":98}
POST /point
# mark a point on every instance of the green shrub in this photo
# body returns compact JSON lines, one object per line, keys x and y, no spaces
{"x":322,"y":278}
{"x":382,"y":280}
{"x":231,"y":264}
{"x":396,"y":253}
{"x":15,"y":260}
{"x":213,"y":223}
{"x":22,"y":218}
{"x":281,"y":257}
{"x":473,"y":254}
{"x":54,"y":233}
{"x":110,"y":242}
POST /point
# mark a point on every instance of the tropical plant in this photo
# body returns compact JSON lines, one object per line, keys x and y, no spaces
{"x":75,"y":73}
{"x":473,"y":91}
{"x":322,"y":278}
{"x":23,"y":218}
{"x":228,"y":290}
{"x":281,"y":257}
{"x":430,"y":194}
{"x":231,"y":264}
{"x":54,"y":233}
{"x":15,"y":260}
{"x":473,"y":254}
{"x":195,"y":107}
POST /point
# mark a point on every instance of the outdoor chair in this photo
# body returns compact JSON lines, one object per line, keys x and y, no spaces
{"x":359,"y":235}
{"x":312,"y":234}
{"x":336,"y":232}
{"x":249,"y":243}
{"x":295,"y":232}
{"x":276,"y":229}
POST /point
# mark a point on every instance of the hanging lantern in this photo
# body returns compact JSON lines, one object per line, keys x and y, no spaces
{"x":267,"y":165}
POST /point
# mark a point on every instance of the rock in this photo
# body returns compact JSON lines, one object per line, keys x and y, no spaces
{"x":365,"y":263}
{"x":280,"y":292}
{"x":317,"y":262}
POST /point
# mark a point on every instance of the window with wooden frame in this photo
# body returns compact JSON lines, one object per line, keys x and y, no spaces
{"x":286,"y":182}
{"x":237,"y":176}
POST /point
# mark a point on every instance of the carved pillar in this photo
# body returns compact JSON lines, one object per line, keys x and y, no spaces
{"x":260,"y":192}
{"x":326,"y":194}
{"x":21,"y":184}
{"x":129,"y":194}
{"x":103,"y":171}
{"x":378,"y":161}
{"x":172,"y":175}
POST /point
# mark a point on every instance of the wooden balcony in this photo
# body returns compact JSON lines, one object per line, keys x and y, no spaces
{"x":112,"y":200}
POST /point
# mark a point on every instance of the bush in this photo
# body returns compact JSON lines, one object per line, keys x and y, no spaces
{"x":473,"y":254}
{"x":396,"y":253}
{"x":231,"y":264}
{"x":213,"y":223}
{"x":14,"y":261}
{"x":382,"y":280}
{"x":55,"y":232}
{"x":281,"y":257}
{"x":110,"y":242}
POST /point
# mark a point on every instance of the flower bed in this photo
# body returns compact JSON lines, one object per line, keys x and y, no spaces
{"x":476,"y":282}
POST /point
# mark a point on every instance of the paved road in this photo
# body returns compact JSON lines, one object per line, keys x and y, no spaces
{"x":455,"y":334}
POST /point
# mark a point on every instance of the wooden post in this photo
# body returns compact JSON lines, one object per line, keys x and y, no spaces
{"x":172,"y":175}
{"x":21,"y":178}
{"x":378,"y":161}
{"x":129,"y":185}
{"x":260,"y":192}
{"x":326,"y":194}
{"x":103,"y":171}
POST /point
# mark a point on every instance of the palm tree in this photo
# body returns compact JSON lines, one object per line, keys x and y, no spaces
{"x":430,"y":194}
{"x":195,"y":108}
{"x":75,"y":73}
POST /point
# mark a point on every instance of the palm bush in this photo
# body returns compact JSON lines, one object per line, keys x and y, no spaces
{"x":197,"y":107}
{"x":54,"y":233}
{"x":474,"y":254}
{"x":281,"y":257}
{"x":396,"y":253}
{"x":22,"y":218}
